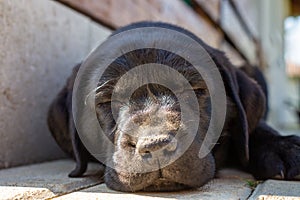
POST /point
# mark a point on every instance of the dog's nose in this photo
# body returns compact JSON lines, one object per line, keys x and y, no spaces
{"x":146,"y":146}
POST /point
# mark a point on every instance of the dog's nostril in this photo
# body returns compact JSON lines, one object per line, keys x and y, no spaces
{"x":143,"y":151}
{"x":147,"y":148}
{"x":146,"y":154}
{"x":172,"y":146}
{"x":128,"y":141}
{"x":129,"y":144}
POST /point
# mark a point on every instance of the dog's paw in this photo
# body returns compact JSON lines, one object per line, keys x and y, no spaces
{"x":79,"y":170}
{"x":278,"y":156}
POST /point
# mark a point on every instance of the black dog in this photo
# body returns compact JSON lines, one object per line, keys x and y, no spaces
{"x":152,"y":118}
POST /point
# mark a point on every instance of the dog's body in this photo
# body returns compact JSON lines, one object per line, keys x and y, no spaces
{"x":246,"y":139}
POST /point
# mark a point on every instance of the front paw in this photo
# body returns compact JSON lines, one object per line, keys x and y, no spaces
{"x":79,"y":170}
{"x":278,"y":155}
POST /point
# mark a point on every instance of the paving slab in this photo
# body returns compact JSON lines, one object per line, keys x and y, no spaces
{"x":16,"y":193}
{"x":50,"y":180}
{"x":231,"y":173}
{"x":45,"y":180}
{"x":232,"y":185}
{"x":275,"y":190}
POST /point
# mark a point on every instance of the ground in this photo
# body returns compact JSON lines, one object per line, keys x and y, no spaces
{"x":50,"y":181}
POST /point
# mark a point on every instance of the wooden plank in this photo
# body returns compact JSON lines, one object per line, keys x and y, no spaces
{"x":231,"y":53}
{"x":292,"y":69}
{"x":234,"y":29}
{"x":211,"y":7}
{"x":295,"y":7}
{"x":116,"y":13}
{"x":249,"y":11}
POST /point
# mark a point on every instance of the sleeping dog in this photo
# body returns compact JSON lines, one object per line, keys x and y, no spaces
{"x":152,"y":118}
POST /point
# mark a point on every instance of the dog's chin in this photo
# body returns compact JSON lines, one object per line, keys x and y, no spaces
{"x":152,"y":183}
{"x":165,"y":185}
{"x":185,"y":173}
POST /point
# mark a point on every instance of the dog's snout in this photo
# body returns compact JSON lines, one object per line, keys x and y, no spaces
{"x":146,"y":146}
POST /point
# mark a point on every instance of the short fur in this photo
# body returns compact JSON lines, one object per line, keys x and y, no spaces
{"x":152,"y":118}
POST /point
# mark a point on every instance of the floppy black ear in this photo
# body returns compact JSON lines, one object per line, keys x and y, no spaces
{"x":252,"y":99}
{"x":62,"y":127}
{"x":249,"y":101}
{"x":255,"y":73}
{"x":58,"y":120}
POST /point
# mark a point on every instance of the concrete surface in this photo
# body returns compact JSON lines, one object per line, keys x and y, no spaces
{"x":49,"y":180}
{"x":216,"y":189}
{"x":274,"y":189}
{"x":271,"y":197}
{"x":40,"y":43}
{"x":16,"y":193}
{"x":46,"y":180}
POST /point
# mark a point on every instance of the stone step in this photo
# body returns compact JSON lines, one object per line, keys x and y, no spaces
{"x":45,"y":180}
{"x":215,"y":189}
{"x":50,"y":180}
{"x":277,"y":190}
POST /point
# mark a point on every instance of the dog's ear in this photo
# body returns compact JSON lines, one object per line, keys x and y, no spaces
{"x":58,"y":119}
{"x":249,"y":100}
{"x":255,"y":73}
{"x":252,"y":99}
{"x":62,"y":126}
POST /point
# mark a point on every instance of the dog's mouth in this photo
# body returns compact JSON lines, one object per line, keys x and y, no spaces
{"x":172,"y":180}
{"x":187,"y":172}
{"x":147,"y":182}
{"x":165,"y":185}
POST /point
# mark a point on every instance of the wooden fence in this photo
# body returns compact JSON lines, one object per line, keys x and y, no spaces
{"x":229,"y":25}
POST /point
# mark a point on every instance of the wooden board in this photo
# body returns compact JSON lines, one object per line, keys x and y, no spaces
{"x":116,"y":13}
{"x":249,"y":11}
{"x":211,"y":7}
{"x":235,"y":30}
{"x":231,"y":53}
{"x":295,"y":7}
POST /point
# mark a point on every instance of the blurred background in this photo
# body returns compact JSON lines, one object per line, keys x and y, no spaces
{"x":41,"y":40}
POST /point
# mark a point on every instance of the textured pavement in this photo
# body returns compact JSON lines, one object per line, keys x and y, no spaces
{"x":50,"y":181}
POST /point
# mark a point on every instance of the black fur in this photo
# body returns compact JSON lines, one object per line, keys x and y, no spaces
{"x":257,"y":147}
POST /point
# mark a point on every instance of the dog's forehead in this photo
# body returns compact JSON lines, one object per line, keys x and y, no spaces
{"x":164,"y":95}
{"x":120,"y":80}
{"x":126,"y":64}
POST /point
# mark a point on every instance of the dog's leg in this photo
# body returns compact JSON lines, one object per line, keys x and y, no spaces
{"x":272,"y":154}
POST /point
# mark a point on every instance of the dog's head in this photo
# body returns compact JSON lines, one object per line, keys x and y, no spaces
{"x":148,"y":129}
{"x":152,"y":149}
